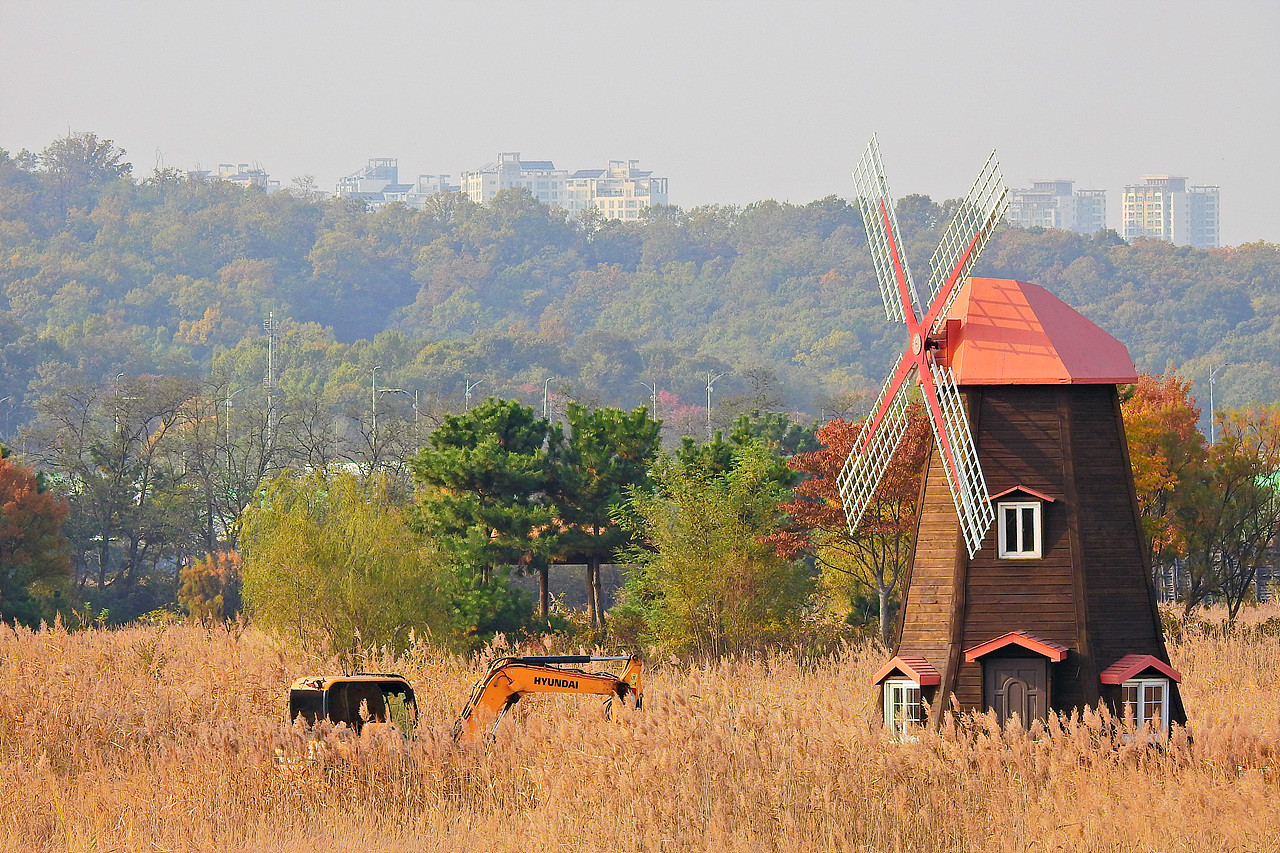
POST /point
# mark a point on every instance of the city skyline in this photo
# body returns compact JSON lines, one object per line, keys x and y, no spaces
{"x":759,"y":101}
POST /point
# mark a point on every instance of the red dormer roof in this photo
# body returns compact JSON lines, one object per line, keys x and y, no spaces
{"x":1055,"y":652}
{"x":1023,"y":490}
{"x":914,"y":667}
{"x":1130,"y":665}
{"x":1015,"y":333}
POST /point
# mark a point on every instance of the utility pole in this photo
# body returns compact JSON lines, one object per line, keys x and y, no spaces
{"x":710,"y":381}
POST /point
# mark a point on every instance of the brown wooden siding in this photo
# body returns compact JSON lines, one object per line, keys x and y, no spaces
{"x":1089,"y":591}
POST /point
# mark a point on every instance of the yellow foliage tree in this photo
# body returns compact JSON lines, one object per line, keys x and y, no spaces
{"x":332,"y":559}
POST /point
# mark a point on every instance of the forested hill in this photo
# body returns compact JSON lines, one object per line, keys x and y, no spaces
{"x":102,"y":273}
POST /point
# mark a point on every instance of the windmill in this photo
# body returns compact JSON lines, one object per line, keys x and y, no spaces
{"x":1056,"y":610}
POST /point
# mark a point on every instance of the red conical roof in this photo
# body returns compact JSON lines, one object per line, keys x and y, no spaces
{"x":1015,"y":333}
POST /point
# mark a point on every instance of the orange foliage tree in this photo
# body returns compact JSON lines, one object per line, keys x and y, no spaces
{"x":210,"y":588}
{"x":34,"y":565}
{"x":1168,"y":456}
{"x":875,"y":556}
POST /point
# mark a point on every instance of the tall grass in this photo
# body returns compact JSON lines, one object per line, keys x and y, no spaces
{"x":170,"y":738}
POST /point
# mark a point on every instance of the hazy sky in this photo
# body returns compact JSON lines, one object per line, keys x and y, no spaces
{"x":733,"y":101}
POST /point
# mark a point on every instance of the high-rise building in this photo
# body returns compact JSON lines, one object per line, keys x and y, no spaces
{"x":1163,"y":207}
{"x":540,"y":177}
{"x":1057,"y":204}
{"x":621,"y":191}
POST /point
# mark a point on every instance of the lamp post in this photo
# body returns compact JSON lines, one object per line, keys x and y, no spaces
{"x":1212,"y":418}
{"x":653,"y":412}
{"x":710,"y":381}
{"x":546,"y":412}
{"x":230,"y":395}
{"x":373,"y":400}
{"x":470,"y":387}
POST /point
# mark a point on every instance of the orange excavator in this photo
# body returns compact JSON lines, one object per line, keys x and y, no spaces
{"x":512,"y":677}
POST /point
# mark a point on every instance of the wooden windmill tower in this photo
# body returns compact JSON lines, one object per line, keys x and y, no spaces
{"x":1029,"y":589}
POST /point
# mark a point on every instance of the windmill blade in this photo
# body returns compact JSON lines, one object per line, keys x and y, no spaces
{"x":964,"y":239}
{"x":896,"y":286}
{"x":871,"y":453}
{"x":959,"y":458}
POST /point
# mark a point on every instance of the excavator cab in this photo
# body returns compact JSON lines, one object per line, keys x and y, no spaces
{"x":377,"y":698}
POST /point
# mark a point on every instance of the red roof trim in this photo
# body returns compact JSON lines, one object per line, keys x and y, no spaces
{"x":1130,"y":665}
{"x":914,"y":667}
{"x":1025,"y":491}
{"x":1055,"y":652}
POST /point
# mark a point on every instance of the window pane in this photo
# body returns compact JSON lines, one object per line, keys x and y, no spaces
{"x":1028,"y":541}
{"x":913,"y":712}
{"x":1010,"y":530}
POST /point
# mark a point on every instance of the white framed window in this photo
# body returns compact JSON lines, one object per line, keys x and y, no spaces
{"x":902,"y":706}
{"x":1020,"y":529}
{"x":1147,"y":699}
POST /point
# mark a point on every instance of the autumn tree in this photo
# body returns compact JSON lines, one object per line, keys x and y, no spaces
{"x":34,"y":566}
{"x":210,"y":588}
{"x":1168,"y":455}
{"x":875,"y":556}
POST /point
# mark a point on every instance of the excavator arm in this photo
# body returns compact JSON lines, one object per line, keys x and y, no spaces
{"x":510,"y":678}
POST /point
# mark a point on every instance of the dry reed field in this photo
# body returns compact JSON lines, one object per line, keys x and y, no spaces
{"x":167,"y":738}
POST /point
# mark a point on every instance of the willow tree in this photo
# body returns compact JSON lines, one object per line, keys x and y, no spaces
{"x":333,"y":559}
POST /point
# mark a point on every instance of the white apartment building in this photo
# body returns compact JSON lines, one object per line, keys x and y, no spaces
{"x":1057,"y":204}
{"x":540,"y":177}
{"x":1163,"y":207}
{"x":621,"y":191}
{"x":242,"y":174}
{"x":378,"y":183}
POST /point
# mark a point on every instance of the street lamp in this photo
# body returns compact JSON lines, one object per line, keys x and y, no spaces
{"x":653,"y":412}
{"x":470,"y":386}
{"x":373,"y":400}
{"x":229,"y":460}
{"x":545,"y":410}
{"x":710,"y":381}
{"x":1212,"y":426}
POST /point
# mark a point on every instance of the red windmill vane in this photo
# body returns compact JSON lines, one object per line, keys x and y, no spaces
{"x":1056,"y":610}
{"x":925,"y":357}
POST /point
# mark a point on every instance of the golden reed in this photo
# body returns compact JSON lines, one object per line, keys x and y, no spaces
{"x":172,"y":738}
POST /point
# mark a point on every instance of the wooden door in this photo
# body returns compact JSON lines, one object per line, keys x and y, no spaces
{"x":1016,"y":686}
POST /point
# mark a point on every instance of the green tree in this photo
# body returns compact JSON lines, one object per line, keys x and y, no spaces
{"x":1233,"y":517}
{"x":34,"y":566}
{"x":483,"y":481}
{"x":332,"y":559}
{"x":703,"y":579}
{"x":605,"y":452}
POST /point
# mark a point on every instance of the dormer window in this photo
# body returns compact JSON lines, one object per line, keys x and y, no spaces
{"x":1020,"y":529}
{"x":1020,"y":523}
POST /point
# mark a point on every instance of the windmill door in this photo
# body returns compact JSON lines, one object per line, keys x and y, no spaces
{"x":1016,"y":686}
